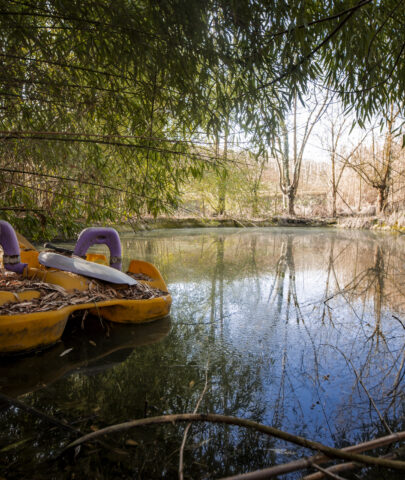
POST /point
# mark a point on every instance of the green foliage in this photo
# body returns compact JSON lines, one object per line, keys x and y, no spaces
{"x":110,"y":98}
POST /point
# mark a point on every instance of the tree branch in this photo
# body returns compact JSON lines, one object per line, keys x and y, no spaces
{"x":319,"y":459}
{"x":241,"y":422}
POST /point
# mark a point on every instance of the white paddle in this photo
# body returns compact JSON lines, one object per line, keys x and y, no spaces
{"x":85,"y":268}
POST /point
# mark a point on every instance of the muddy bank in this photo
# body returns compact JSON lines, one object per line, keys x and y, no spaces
{"x":391,"y":223}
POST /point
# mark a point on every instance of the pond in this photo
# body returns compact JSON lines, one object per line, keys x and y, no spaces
{"x":301,"y":329}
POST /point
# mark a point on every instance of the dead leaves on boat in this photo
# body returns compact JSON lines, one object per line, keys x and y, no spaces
{"x":139,"y":276}
{"x":55,"y":297}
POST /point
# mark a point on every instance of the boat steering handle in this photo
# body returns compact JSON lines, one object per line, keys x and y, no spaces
{"x":100,"y":236}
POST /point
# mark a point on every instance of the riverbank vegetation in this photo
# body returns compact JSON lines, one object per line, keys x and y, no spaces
{"x":245,"y":109}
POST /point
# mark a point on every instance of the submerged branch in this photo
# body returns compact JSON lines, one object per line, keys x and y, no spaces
{"x":345,"y":467}
{"x":229,"y":420}
{"x":327,"y":473}
{"x":318,"y":459}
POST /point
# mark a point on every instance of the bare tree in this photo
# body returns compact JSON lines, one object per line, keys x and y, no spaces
{"x":376,"y":167}
{"x":337,"y":126}
{"x":289,"y":163}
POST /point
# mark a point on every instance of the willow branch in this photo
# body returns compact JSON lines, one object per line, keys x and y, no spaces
{"x":211,"y":160}
{"x":321,"y":20}
{"x":287,"y":72}
{"x":105,"y":137}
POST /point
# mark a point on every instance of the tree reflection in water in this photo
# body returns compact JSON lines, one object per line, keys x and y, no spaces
{"x":291,"y":323}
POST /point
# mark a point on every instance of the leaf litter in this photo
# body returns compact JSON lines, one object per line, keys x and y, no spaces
{"x":55,"y":297}
{"x":140,"y":276}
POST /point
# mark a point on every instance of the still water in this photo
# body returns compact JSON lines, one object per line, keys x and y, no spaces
{"x":295,"y":328}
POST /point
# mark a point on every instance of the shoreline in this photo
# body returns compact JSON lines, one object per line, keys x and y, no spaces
{"x":375,"y":223}
{"x":226,"y":222}
{"x":372,"y":223}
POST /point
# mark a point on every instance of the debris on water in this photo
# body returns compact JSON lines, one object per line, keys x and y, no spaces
{"x":55,"y":297}
{"x":66,"y":352}
{"x":131,"y":443}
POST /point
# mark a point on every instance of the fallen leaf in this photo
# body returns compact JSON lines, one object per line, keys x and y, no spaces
{"x":131,"y":443}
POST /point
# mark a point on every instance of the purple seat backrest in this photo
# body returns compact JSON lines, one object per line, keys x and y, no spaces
{"x":100,"y":236}
{"x":11,"y":248}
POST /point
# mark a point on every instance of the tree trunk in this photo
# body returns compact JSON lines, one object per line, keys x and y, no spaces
{"x":360,"y":198}
{"x":255,"y":203}
{"x":221,"y":193}
{"x":334,"y":201}
{"x":291,"y":202}
{"x":333,"y":180}
{"x":382,"y":198}
{"x":222,"y":176}
{"x":285,"y":201}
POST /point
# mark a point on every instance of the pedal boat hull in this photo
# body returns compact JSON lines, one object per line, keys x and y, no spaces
{"x":32,"y":331}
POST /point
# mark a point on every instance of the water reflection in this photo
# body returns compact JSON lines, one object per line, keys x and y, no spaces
{"x":86,"y":346}
{"x":291,"y":323}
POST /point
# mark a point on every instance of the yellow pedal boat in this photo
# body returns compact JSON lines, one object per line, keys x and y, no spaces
{"x":27,"y":331}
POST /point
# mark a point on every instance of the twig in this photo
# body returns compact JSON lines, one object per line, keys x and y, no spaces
{"x":343,"y":467}
{"x":399,"y":320}
{"x":38,"y":413}
{"x":241,"y":422}
{"x":398,"y":376}
{"x":307,"y":462}
{"x":45,"y":416}
{"x":183,"y":443}
{"x":327,"y":473}
{"x":387,"y":427}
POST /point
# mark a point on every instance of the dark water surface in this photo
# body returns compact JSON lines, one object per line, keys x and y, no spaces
{"x":295,"y":328}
